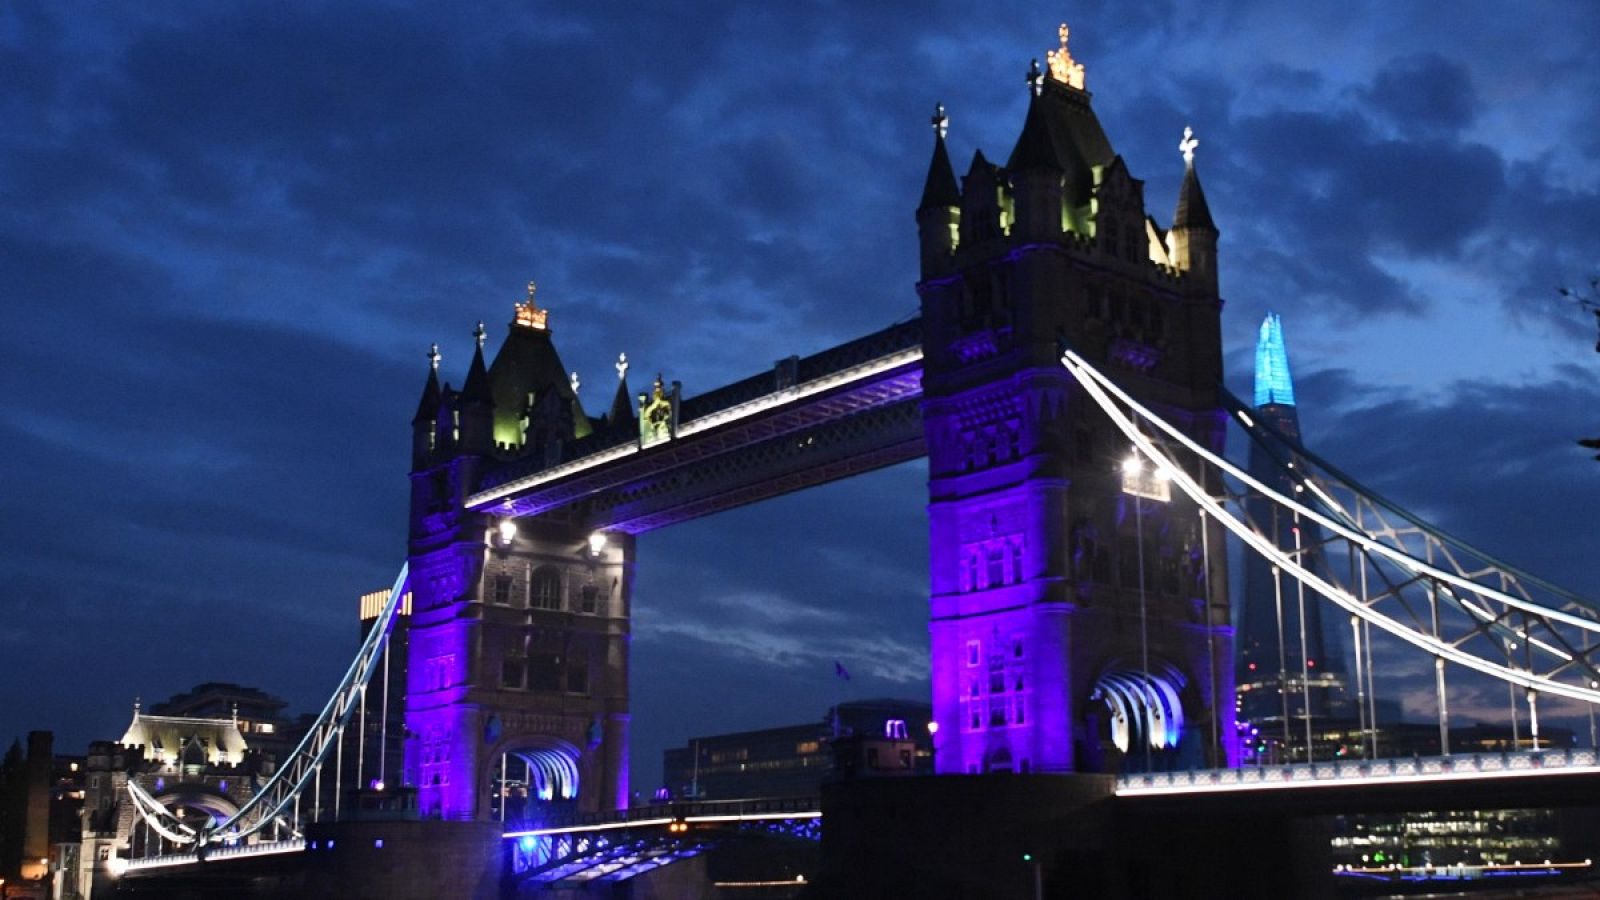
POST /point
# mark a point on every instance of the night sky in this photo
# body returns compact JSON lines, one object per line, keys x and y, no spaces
{"x":229,"y":232}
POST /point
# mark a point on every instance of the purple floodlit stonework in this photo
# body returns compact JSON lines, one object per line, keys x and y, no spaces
{"x":1037,"y":597}
{"x":1075,"y":626}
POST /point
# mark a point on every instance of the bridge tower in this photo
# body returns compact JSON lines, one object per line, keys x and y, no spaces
{"x":1051,"y":650}
{"x":517,"y":686}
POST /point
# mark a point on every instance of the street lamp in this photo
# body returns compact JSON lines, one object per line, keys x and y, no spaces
{"x":508,"y":531}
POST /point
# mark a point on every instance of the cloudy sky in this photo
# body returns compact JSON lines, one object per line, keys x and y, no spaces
{"x":228,"y":233}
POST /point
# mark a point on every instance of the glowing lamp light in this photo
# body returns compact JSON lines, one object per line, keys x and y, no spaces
{"x":597,"y":543}
{"x":508,"y":532}
{"x":1133,"y":465}
{"x":933,"y":727}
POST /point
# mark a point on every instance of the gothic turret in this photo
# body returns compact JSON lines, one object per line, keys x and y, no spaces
{"x":1192,"y":242}
{"x":981,"y":211}
{"x":939,"y":213}
{"x":477,"y":404}
{"x":426,"y":420}
{"x":535,"y":405}
{"x":1036,"y":173}
{"x":621,"y":412}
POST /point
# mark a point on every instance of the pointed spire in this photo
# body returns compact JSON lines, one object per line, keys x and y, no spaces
{"x":1193,"y":212}
{"x":428,"y":408}
{"x":1036,"y":148}
{"x":622,"y":403}
{"x":476,"y":388}
{"x":1274,"y":386}
{"x":1035,"y":78}
{"x":940,"y":190}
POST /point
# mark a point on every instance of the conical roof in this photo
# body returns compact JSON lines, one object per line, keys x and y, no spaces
{"x":621,"y":404}
{"x":1192,"y":209}
{"x":940,"y":189}
{"x":428,"y":408}
{"x":1061,"y":133}
{"x":526,"y":369}
{"x":476,"y":389}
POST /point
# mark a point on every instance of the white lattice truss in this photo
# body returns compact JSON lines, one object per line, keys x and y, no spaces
{"x":278,"y":800}
{"x":1406,"y":577}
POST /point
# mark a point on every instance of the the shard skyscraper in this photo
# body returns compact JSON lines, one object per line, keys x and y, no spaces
{"x":1285,"y":670}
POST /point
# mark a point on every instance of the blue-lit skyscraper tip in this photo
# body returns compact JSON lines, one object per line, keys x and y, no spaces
{"x":1273,"y":384}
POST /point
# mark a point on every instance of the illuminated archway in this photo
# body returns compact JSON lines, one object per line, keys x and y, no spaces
{"x":533,"y":775}
{"x":1145,"y":708}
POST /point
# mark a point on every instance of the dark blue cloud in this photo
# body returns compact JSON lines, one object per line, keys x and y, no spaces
{"x":227,"y":234}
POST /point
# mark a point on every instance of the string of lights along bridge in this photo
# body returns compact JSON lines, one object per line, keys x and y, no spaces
{"x":1064,"y":383}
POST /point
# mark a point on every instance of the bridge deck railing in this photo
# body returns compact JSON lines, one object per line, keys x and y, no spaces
{"x":702,"y":810}
{"x":1315,"y":774}
{"x":218,"y":853}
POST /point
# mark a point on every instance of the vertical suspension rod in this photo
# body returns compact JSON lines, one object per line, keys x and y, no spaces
{"x":361,"y":743}
{"x":1144,"y":632}
{"x":1305,"y":650}
{"x":383,"y":727}
{"x":1211,"y":643}
{"x":1361,"y":688}
{"x":1438,"y":672}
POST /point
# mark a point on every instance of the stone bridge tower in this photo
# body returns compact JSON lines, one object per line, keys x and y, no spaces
{"x":517,"y":685}
{"x":1042,"y":660}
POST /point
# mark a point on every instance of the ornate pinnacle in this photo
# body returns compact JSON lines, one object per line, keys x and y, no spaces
{"x":1187,"y":145}
{"x":622,"y":366}
{"x":575,"y":382}
{"x":434,"y":357}
{"x":1062,"y":66}
{"x":1035,"y":78}
{"x":479,"y":335}
{"x":940,"y":121}
{"x":528,"y":313}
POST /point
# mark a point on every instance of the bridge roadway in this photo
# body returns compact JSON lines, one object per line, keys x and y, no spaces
{"x":847,"y":410}
{"x":1529,"y":779}
{"x":1137,"y":835}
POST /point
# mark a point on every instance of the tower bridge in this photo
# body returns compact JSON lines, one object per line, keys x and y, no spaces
{"x":1064,"y":381}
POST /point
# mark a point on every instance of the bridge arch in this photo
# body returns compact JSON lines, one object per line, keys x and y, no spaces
{"x":527,"y":773}
{"x":1141,"y":713}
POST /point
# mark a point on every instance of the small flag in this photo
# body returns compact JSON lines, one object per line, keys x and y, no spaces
{"x":840,"y":670}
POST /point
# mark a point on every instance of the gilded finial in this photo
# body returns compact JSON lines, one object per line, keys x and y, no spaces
{"x":434,"y":356}
{"x":1062,"y":66}
{"x":1035,"y":78}
{"x":480,"y":335}
{"x":940,"y":121}
{"x":575,"y":383}
{"x":1187,"y":145}
{"x":622,"y":366}
{"x":528,"y":313}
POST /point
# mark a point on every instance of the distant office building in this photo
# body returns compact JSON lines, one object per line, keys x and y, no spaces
{"x":382,"y":745}
{"x":258,"y":715}
{"x":794,"y":760}
{"x":1287,"y":667}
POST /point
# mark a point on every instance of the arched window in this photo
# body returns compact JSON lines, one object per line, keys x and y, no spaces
{"x":547,"y":588}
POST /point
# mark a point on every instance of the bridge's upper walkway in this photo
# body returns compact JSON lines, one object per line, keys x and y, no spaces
{"x":846,"y":410}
